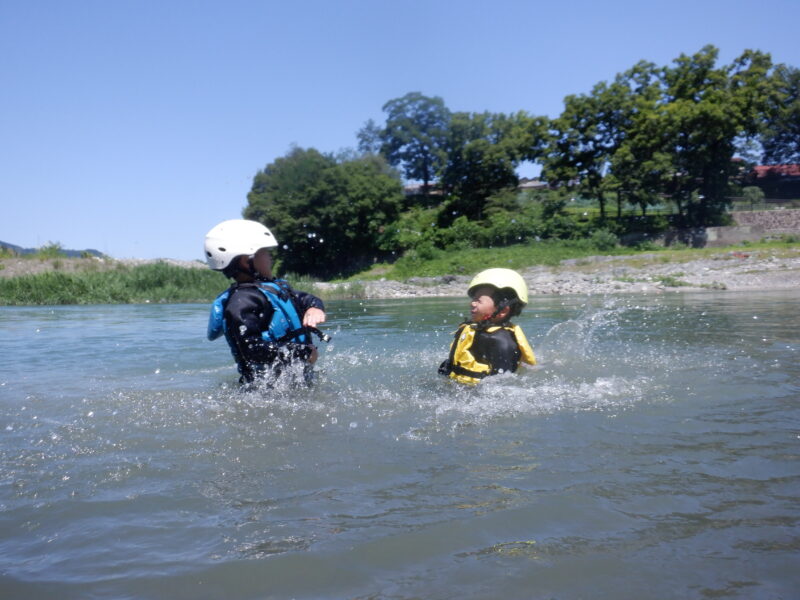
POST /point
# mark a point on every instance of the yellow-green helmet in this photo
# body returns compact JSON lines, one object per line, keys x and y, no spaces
{"x":501,"y":279}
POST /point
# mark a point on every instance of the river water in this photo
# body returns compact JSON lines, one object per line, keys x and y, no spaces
{"x":653,"y":453}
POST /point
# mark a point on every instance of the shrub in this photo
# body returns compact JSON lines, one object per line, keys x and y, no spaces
{"x":462,"y":234}
{"x":603,"y":240}
{"x":50,"y":250}
{"x":504,"y":228}
{"x":646,"y":246}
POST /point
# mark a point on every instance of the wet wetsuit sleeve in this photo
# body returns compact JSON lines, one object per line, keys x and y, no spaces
{"x":306,"y":301}
{"x":247,"y":314}
{"x":498,"y":349}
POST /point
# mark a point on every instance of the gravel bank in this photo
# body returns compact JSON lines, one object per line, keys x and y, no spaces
{"x":761,"y":270}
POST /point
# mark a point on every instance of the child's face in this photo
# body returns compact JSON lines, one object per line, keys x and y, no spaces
{"x":482,"y":306}
{"x":262,"y":261}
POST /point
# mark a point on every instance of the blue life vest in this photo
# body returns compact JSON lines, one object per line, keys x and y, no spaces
{"x":285,"y":326}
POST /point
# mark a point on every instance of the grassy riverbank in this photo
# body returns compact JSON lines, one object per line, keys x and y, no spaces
{"x":434,"y":262}
{"x":161,"y":282}
{"x":81,"y":281}
{"x":158,"y":282}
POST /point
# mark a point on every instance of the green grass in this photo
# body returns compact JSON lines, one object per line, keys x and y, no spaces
{"x":153,"y":283}
{"x":472,"y":260}
{"x":164,"y":283}
{"x":672,"y":281}
{"x":346,"y":290}
{"x":551,"y":253}
{"x":158,"y":282}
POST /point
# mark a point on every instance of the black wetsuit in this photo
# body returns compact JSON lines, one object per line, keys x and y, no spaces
{"x":247,"y":314}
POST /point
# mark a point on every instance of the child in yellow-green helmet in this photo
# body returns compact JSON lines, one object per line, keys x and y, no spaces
{"x":488,"y":343}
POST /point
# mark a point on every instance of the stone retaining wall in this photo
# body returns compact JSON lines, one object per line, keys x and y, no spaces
{"x":751,"y":226}
{"x":726,"y":236}
{"x":771,"y":221}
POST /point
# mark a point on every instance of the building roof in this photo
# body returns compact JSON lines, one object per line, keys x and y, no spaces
{"x":762,"y":171}
{"x":531,"y":184}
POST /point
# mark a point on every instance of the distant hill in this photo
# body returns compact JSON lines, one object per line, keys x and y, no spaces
{"x":68,"y":253}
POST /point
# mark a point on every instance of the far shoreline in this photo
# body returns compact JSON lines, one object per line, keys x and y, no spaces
{"x":729,"y":269}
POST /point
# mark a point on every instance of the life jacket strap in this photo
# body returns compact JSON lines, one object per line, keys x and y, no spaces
{"x":459,"y":370}
{"x":290,"y":335}
{"x":449,"y":366}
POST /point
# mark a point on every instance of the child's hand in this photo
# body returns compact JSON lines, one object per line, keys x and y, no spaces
{"x":313,"y":317}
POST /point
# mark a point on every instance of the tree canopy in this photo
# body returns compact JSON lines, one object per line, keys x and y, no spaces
{"x":414,"y":135}
{"x":327,"y":215}
{"x":781,"y":135}
{"x":652,"y":135}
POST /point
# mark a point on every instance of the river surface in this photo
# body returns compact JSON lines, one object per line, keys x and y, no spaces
{"x":653,"y":453}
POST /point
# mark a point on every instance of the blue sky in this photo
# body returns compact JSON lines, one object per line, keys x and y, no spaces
{"x":134,"y":126}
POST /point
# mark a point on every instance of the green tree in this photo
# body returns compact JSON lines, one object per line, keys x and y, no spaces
{"x":369,"y":138}
{"x":281,"y":193}
{"x":593,"y":127}
{"x":551,"y":217}
{"x":753,"y":194}
{"x":640,"y":166}
{"x":707,"y":109}
{"x":483,"y":151}
{"x":414,"y":134}
{"x":781,"y":136}
{"x":328,"y":216}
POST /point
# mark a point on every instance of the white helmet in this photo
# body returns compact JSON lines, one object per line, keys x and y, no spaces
{"x":234,"y":238}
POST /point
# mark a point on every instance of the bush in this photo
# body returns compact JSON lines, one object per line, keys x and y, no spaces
{"x":646,"y":246}
{"x":414,"y":227}
{"x":50,"y":250}
{"x":462,"y":234}
{"x":552,"y":219}
{"x":753,"y":194}
{"x":506,"y":228}
{"x":603,"y":240}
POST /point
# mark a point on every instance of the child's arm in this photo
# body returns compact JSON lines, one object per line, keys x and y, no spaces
{"x":312,"y":309}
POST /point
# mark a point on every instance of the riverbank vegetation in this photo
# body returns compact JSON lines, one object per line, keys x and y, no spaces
{"x":161,"y":282}
{"x":157,"y":282}
{"x":658,"y":148}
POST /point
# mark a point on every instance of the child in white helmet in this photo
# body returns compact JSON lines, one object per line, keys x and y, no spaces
{"x":488,"y":343}
{"x":266,"y":323}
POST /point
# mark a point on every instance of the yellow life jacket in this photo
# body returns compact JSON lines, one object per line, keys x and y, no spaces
{"x":465,"y":368}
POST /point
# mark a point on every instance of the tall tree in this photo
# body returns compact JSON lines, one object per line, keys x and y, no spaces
{"x":483,"y":151}
{"x":326,"y":215}
{"x":708,"y":108}
{"x":414,"y":134}
{"x":640,"y":165}
{"x":592,"y":128}
{"x":369,"y":138}
{"x":279,"y":194}
{"x":781,"y":137}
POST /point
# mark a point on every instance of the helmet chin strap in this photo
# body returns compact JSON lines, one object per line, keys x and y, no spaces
{"x":235,"y":267}
{"x":502,"y":305}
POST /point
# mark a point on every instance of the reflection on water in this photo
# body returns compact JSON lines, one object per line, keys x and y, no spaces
{"x":651,"y":453}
